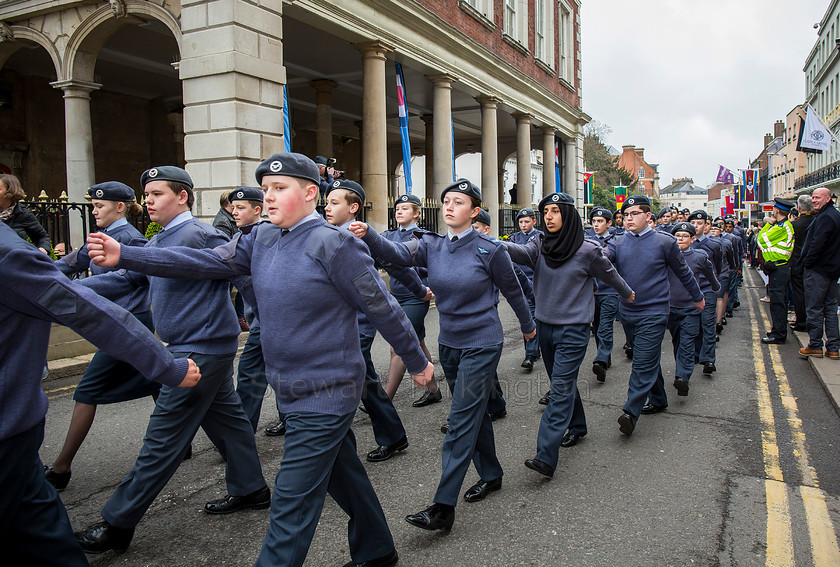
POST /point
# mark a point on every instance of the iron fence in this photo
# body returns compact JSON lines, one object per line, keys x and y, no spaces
{"x":824,"y":175}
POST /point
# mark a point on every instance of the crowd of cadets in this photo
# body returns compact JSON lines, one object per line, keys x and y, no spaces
{"x":308,"y":279}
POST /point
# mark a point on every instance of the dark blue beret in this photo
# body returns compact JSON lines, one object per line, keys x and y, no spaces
{"x":351,"y":186}
{"x":166,"y":173}
{"x":291,"y":165}
{"x":111,"y":191}
{"x":556,"y":199}
{"x":685,"y":211}
{"x":463,"y":186}
{"x":526,"y":212}
{"x":483,"y":216}
{"x":698,"y":215}
{"x":663,"y":212}
{"x":408,"y":199}
{"x":600,"y":212}
{"x":320,"y":160}
{"x":783,"y":204}
{"x":634,"y":200}
{"x":729,"y":220}
{"x":246,"y":194}
{"x":684,"y":227}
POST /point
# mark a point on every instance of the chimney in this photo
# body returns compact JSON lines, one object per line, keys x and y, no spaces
{"x":767,"y":139}
{"x":778,"y":129}
{"x":640,"y":152}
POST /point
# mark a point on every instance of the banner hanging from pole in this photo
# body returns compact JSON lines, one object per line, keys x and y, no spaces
{"x":406,"y":143}
{"x":750,"y":182}
{"x":558,"y":186}
{"x":620,"y":195}
{"x":287,"y":123}
{"x":588,"y":181}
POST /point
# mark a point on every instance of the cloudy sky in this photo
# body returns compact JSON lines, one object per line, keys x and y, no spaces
{"x":695,"y":83}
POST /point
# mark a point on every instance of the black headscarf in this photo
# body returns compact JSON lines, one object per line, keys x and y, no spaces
{"x":558,"y":247}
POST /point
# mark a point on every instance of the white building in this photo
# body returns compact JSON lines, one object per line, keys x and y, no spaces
{"x":683,"y":194}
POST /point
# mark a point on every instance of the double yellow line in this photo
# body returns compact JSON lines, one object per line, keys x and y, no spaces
{"x":824,"y":549}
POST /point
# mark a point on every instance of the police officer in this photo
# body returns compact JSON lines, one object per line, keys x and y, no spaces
{"x":775,"y":240}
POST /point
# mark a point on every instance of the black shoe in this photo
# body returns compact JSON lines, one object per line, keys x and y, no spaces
{"x":502,"y":413}
{"x":528,"y":363}
{"x":681,"y":386}
{"x":723,"y":320}
{"x":545,"y":399}
{"x":541,"y":467}
{"x":708,"y":368}
{"x":600,"y":371}
{"x":385,"y":452}
{"x":445,"y":427}
{"x":718,"y":328}
{"x":189,"y":454}
{"x":771,"y":340}
{"x":627,"y":423}
{"x":276,"y":430}
{"x":435,"y":517}
{"x":362,"y":408}
{"x":729,"y":314}
{"x":799,"y":328}
{"x":58,"y":480}
{"x":102,"y":537}
{"x":571,"y":439}
{"x":628,"y":351}
{"x":481,"y":489}
{"x":737,"y":304}
{"x":384,"y":561}
{"x":258,"y":500}
{"x":649,"y":409}
{"x":427,"y":399}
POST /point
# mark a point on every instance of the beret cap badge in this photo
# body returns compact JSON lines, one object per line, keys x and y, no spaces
{"x":463,"y":186}
{"x":153,"y":172}
{"x":336,"y":183}
{"x":240,"y":194}
{"x":555,"y":197}
{"x":99,"y":192}
{"x":276,"y":166}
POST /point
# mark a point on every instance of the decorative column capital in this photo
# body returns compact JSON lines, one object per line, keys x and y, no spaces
{"x":488,"y":101}
{"x":375,"y":49}
{"x":549,"y":130}
{"x":74,"y":88}
{"x":522,"y":117}
{"x":323,"y":85}
{"x":442,"y":80}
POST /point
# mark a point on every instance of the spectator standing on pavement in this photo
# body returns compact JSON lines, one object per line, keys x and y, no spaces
{"x":34,"y":527}
{"x":18,"y":217}
{"x":797,"y":284}
{"x":821,"y":263}
{"x":326,"y":171}
{"x":776,"y":243}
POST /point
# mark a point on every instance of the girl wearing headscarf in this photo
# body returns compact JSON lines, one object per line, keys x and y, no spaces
{"x":565,"y":265}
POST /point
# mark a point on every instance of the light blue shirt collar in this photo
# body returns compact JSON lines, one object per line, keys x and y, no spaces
{"x":450,"y":236}
{"x":179,"y":219}
{"x":644,"y":232}
{"x":116,"y":224}
{"x":412,"y":226}
{"x":311,"y":216}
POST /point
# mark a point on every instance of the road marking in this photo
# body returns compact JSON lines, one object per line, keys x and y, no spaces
{"x":824,"y":548}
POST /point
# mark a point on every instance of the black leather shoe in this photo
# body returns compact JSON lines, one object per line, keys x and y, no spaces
{"x":58,"y":480}
{"x":276,"y":430}
{"x":502,"y":413}
{"x":723,"y":320}
{"x":528,"y":363}
{"x":362,"y":408}
{"x":681,"y":386}
{"x":544,"y":400}
{"x":600,"y":371}
{"x":258,"y":500}
{"x":384,"y":561}
{"x":627,"y":423}
{"x":708,"y":367}
{"x":571,"y":439}
{"x":385,"y":452}
{"x":649,"y":409}
{"x":189,"y":454}
{"x":799,"y":328}
{"x":718,"y":328}
{"x":628,"y":351}
{"x":736,"y":304}
{"x":103,"y":537}
{"x":427,"y":399}
{"x":445,"y":427}
{"x":435,"y":517}
{"x":772,"y":340}
{"x":481,"y":489}
{"x":540,"y":467}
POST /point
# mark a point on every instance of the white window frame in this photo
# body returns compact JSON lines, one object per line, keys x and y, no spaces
{"x":544,"y":31}
{"x":516,"y":21}
{"x":566,"y":42}
{"x":484,"y":7}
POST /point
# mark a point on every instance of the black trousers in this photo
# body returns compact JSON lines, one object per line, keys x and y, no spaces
{"x":776,"y":287}
{"x":797,"y":286}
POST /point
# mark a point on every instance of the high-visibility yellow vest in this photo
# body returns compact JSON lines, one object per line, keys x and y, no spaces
{"x":776,"y":241}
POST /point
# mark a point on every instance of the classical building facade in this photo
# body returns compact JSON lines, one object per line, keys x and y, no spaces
{"x":788,"y":165}
{"x":101,"y":90}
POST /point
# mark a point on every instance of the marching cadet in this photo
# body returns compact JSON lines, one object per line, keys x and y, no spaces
{"x":465,"y":269}
{"x":684,"y":318}
{"x":309,"y":281}
{"x":106,"y":380}
{"x":34,"y":527}
{"x":195,"y":318}
{"x":527,"y":219}
{"x":740,"y":249}
{"x":407,"y":211}
{"x":251,"y":383}
{"x":345,"y":200}
{"x":706,"y":343}
{"x":728,"y":248}
{"x":606,"y":300}
{"x":775,"y":239}
{"x":618,"y":223}
{"x":643,"y":258}
{"x":563,"y":259}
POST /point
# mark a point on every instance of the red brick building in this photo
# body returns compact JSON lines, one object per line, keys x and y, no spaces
{"x":633,"y":160}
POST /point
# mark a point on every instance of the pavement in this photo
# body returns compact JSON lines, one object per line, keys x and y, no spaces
{"x":827,"y":371}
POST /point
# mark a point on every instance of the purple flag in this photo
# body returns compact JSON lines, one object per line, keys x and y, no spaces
{"x":725,"y":176}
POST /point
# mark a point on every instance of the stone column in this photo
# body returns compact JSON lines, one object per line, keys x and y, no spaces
{"x":523,"y":159}
{"x":428,"y":190}
{"x":490,"y":159}
{"x":442,"y":134}
{"x":323,"y":116}
{"x":549,"y":161}
{"x":232,"y":74}
{"x":570,"y":184}
{"x":78,"y":136}
{"x":374,"y":133}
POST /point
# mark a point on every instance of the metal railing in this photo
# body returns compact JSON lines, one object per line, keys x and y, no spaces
{"x":823,"y":175}
{"x":428,"y":216}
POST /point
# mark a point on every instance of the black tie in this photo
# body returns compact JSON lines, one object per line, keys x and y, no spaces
{"x":402,"y":230}
{"x":284,"y":231}
{"x":454,"y":238}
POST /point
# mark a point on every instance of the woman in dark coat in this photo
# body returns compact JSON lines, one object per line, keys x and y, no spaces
{"x":18,"y":217}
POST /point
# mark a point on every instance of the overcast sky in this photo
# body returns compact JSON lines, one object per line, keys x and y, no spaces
{"x":695,"y":83}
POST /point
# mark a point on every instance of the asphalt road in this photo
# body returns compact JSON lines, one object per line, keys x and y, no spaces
{"x":743,"y":471}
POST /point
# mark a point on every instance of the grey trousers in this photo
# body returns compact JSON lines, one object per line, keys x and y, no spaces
{"x":821,"y":307}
